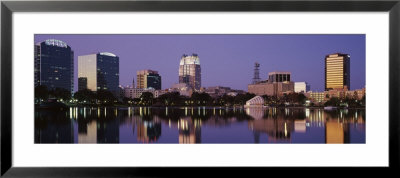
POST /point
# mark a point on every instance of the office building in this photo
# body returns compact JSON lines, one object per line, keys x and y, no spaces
{"x":278,"y":83}
{"x":54,"y":65}
{"x":190,"y":71}
{"x":301,"y":87}
{"x":279,"y":77}
{"x":101,"y":71}
{"x":82,"y":83}
{"x":148,"y":79}
{"x":337,"y":71}
{"x":317,"y":97}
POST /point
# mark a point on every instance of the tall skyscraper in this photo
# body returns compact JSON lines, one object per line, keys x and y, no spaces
{"x":337,"y":71}
{"x":54,"y":65}
{"x":101,"y":71}
{"x":148,"y":78}
{"x":190,"y":71}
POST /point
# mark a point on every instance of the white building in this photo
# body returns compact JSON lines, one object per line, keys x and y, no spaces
{"x":137,"y":92}
{"x":256,"y":101}
{"x":301,"y":87}
{"x":183,"y":89}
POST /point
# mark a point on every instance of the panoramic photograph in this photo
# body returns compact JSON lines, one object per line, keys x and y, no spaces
{"x":199,"y":89}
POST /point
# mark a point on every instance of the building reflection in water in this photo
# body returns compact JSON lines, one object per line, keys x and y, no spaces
{"x":279,"y":124}
{"x":148,"y":131}
{"x":53,"y":127}
{"x":87,"y":132}
{"x":189,"y":130}
{"x":198,"y":124}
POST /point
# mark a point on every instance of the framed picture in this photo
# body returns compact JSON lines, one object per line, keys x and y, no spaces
{"x":168,"y":84}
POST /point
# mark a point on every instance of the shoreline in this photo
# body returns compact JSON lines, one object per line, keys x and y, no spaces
{"x":212,"y":107}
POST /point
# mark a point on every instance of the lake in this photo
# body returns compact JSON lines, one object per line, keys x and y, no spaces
{"x":208,"y":125}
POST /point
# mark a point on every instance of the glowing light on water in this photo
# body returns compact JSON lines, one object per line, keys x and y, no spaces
{"x":70,"y":113}
{"x":285,"y":130}
{"x":76,"y":113}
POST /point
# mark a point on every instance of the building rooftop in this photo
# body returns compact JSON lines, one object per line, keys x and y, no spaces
{"x":108,"y":54}
{"x":54,"y":42}
{"x":193,"y":59}
{"x":278,"y":72}
{"x":147,"y":71}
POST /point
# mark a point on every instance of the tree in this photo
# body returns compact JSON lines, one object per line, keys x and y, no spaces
{"x":61,"y":93}
{"x":363,"y":101}
{"x":241,"y":99}
{"x":200,"y":98}
{"x":86,"y":96}
{"x":146,"y":98}
{"x":41,"y":92}
{"x":333,"y":101}
{"x":170,"y":99}
{"x":105,"y":96}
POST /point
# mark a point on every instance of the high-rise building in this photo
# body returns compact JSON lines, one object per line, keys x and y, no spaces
{"x":82,"y":83}
{"x":190,"y":71}
{"x":148,"y":78}
{"x":54,"y":65}
{"x":101,"y":71}
{"x":337,"y":71}
{"x":301,"y":87}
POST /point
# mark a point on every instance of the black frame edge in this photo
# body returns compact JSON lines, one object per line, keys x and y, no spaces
{"x":198,"y":5}
{"x":6,"y":89}
{"x":7,"y":7}
{"x":394,"y":85}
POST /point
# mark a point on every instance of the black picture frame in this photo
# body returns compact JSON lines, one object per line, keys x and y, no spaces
{"x":8,"y":7}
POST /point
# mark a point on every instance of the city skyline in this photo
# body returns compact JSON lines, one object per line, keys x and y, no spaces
{"x":226,"y":60}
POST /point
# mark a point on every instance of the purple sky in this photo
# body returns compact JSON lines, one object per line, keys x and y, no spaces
{"x":226,"y":60}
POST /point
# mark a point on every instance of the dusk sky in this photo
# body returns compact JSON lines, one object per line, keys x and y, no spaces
{"x":226,"y":60}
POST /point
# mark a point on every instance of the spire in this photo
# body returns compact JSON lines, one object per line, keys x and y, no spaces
{"x":133,"y":82}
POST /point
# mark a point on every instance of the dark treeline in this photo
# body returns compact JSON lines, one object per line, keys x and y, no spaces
{"x":196,"y":99}
{"x":104,"y":97}
{"x":85,"y":97}
{"x":345,"y":102}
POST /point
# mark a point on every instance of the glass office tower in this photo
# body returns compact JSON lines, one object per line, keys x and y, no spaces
{"x":190,"y":71}
{"x":148,"y":78}
{"x":337,"y":71}
{"x":54,"y":65}
{"x":101,"y":71}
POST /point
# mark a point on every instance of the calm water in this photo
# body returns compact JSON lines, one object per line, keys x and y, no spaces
{"x":199,"y":125}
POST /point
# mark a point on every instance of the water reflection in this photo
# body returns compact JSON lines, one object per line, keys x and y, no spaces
{"x":199,"y":125}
